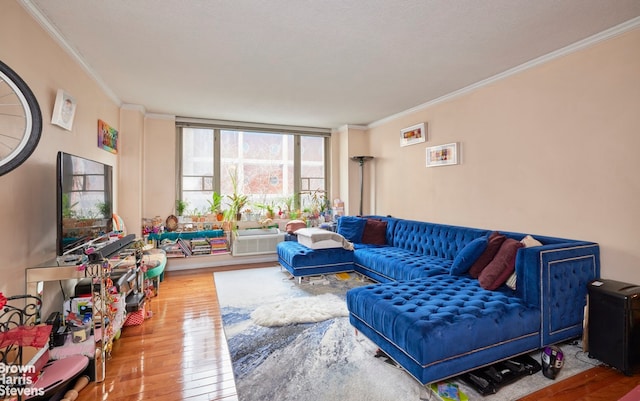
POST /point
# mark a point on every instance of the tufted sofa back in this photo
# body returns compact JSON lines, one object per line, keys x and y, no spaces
{"x":430,"y":239}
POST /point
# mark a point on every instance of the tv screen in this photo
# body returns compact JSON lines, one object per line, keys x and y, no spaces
{"x":84,"y":201}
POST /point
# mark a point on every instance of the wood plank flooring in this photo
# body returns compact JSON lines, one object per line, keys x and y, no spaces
{"x":178,"y":354}
{"x":181,"y":354}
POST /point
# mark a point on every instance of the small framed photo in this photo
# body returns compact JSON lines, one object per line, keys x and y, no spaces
{"x":64,"y":110}
{"x":107,"y":137}
{"x":442,"y":155}
{"x":414,"y":134}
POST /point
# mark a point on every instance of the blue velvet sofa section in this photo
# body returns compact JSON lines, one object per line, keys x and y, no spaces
{"x":302,"y":261}
{"x":436,"y":324}
{"x":440,"y":326}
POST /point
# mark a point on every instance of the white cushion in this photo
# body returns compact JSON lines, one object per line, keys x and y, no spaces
{"x":317,"y":238}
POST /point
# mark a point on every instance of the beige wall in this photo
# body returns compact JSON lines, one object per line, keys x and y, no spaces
{"x":552,"y":150}
{"x":130,"y":179}
{"x":351,"y":141}
{"x":28,"y":195}
{"x":159,"y":166}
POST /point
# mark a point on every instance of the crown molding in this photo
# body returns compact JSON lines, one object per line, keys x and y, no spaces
{"x":579,"y":45}
{"x":160,"y":116}
{"x":57,"y":36}
{"x":134,"y":107}
{"x":347,"y":127}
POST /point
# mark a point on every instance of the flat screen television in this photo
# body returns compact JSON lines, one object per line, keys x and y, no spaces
{"x":84,"y":202}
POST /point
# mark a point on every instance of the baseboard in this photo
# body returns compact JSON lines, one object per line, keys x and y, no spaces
{"x":200,"y":262}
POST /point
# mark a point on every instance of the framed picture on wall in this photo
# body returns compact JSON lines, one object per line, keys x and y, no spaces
{"x":107,"y":137}
{"x":64,"y":110}
{"x":414,"y":134}
{"x":442,"y":155}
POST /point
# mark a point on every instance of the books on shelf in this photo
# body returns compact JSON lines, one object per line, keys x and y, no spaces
{"x":219,"y":245}
{"x":200,"y":246}
{"x":184,"y":245}
{"x":173,"y":250}
{"x":196,"y":246}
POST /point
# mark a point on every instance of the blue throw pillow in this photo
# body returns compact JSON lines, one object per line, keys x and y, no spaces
{"x":468,"y":255}
{"x":351,"y":228}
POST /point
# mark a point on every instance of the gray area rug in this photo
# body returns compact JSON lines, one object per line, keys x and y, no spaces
{"x":291,"y":341}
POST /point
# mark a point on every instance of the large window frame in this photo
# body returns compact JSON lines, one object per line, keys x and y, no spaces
{"x":302,"y":191}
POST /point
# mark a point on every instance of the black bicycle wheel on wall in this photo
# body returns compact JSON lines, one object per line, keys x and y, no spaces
{"x":20,"y":120}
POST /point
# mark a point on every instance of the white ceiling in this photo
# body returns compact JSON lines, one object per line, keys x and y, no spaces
{"x":318,"y":63}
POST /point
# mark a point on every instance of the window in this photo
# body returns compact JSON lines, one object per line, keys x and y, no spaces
{"x":278,"y":169}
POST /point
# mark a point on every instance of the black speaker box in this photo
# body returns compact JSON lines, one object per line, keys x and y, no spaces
{"x":614,"y":324}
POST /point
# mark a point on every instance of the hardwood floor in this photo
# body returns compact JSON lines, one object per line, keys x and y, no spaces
{"x":181,"y":354}
{"x":178,"y":354}
{"x":596,"y":384}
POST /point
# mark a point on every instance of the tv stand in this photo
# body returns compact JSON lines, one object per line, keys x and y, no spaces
{"x":107,"y":319}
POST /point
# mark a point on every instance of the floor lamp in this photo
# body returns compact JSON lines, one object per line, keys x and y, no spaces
{"x":361,"y":160}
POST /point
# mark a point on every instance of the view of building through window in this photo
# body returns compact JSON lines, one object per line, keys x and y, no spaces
{"x":259,"y":165}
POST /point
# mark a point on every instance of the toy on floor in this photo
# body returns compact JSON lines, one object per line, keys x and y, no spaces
{"x":73,"y":393}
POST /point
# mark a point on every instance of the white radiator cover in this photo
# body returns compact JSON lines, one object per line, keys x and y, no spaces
{"x":255,"y":242}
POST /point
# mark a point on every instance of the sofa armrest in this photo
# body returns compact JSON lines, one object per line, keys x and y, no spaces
{"x":554,"y":278}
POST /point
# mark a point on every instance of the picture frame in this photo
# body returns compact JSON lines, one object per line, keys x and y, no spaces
{"x":107,"y":137}
{"x":443,"y":155}
{"x":413,"y":135}
{"x":64,"y":110}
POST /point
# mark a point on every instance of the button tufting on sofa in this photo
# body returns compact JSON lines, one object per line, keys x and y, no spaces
{"x":437,"y":324}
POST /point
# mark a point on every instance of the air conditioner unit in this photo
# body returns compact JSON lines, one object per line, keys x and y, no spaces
{"x":256,"y":241}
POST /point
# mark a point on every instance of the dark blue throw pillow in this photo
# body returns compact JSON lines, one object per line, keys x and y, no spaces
{"x":351,"y":228}
{"x":468,"y":255}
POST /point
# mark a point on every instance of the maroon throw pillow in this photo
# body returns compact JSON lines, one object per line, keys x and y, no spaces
{"x":502,"y":266}
{"x":495,"y":241}
{"x":375,"y":232}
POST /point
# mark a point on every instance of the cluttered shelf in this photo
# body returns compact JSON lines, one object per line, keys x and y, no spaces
{"x":180,"y":244}
{"x":109,"y":294}
{"x":239,"y":242}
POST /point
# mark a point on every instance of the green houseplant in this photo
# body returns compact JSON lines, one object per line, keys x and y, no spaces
{"x":268,"y":208}
{"x":238,"y":200}
{"x":215,"y":205}
{"x":181,"y":206}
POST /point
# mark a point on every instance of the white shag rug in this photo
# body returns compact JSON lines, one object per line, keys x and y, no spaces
{"x":300,"y":310}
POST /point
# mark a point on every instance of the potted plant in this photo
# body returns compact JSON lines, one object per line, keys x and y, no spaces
{"x":181,"y":206}
{"x":215,"y":204}
{"x":318,"y":203}
{"x":268,"y":208}
{"x":238,"y":200}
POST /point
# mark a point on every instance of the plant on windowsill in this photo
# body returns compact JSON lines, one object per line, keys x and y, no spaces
{"x":215,"y":206}
{"x":269,"y":209}
{"x":289,"y":203}
{"x":238,"y":200}
{"x":181,"y":206}
{"x":319,"y":203}
{"x":197,"y":215}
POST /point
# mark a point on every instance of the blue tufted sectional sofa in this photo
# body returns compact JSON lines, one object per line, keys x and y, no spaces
{"x":431,"y":315}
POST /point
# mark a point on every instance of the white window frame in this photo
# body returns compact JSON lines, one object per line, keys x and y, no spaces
{"x":218,"y":126}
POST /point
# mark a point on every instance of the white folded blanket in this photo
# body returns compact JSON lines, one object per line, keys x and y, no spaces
{"x":317,"y":238}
